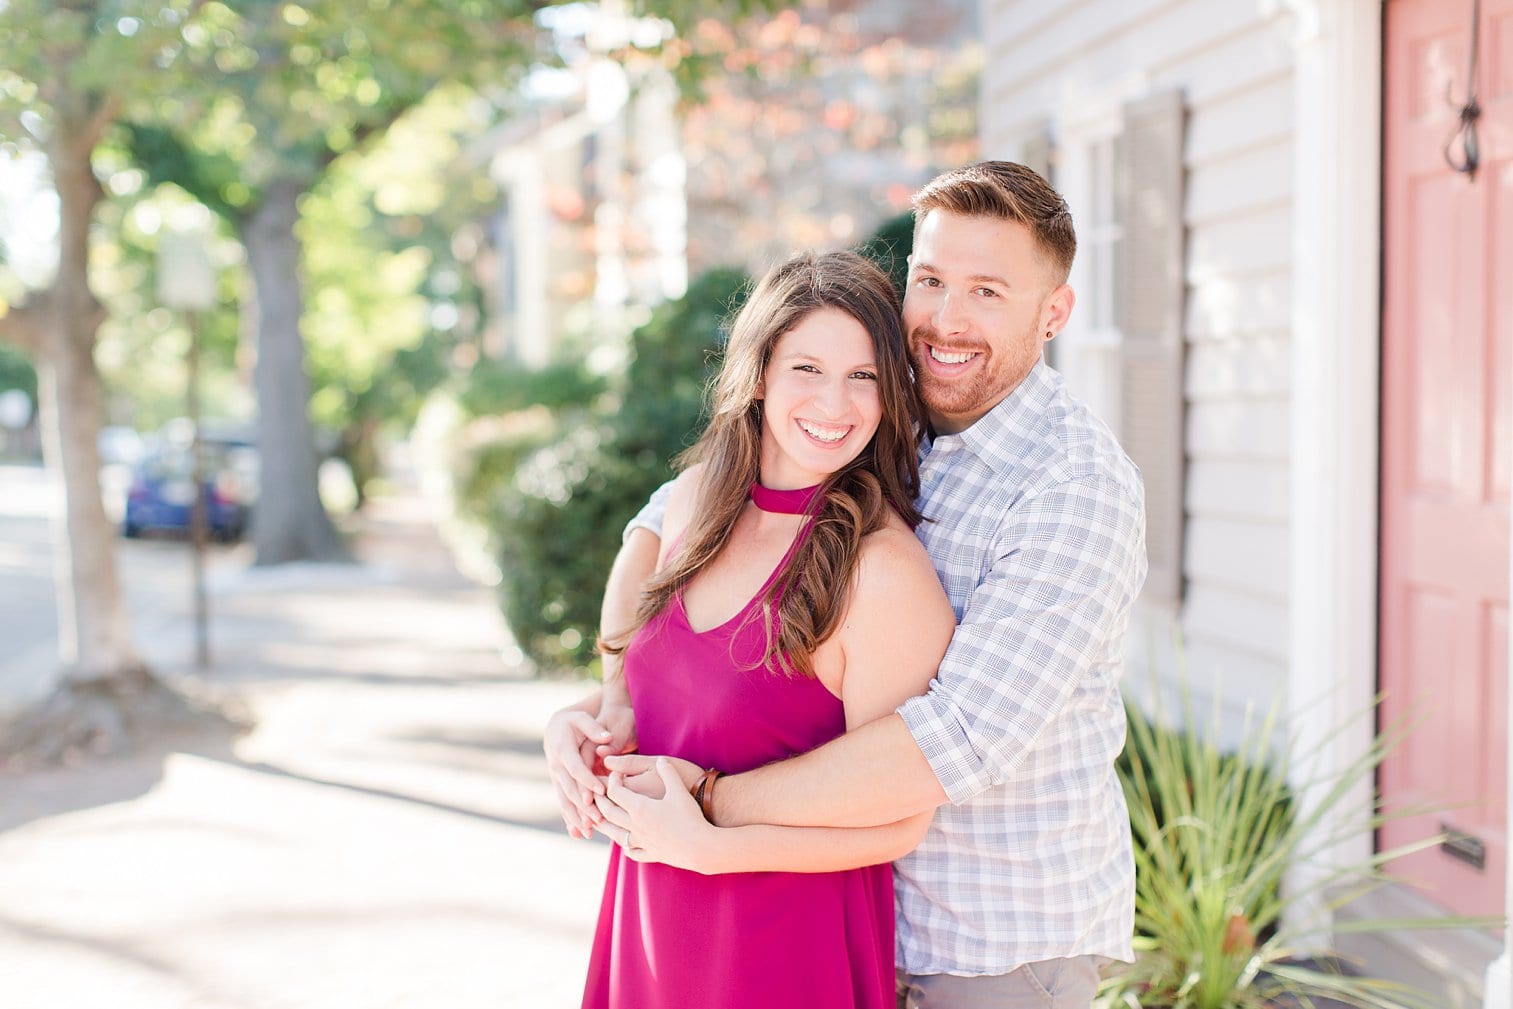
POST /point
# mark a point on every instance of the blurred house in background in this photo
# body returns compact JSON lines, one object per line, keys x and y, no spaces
{"x":1293,"y":308}
{"x":831,"y":116}
{"x":614,"y":189}
{"x":591,"y":219}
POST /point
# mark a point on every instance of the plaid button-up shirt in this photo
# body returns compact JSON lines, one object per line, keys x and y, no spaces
{"x":1035,"y":523}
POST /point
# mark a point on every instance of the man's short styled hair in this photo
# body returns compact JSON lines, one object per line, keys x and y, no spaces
{"x":1010,"y":192}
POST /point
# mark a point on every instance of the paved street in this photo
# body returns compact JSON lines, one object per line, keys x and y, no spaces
{"x":155,"y":576}
{"x":27,"y":616}
{"x":385,"y":837}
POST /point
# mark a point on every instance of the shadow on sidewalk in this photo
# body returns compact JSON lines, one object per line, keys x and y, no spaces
{"x":37,"y":794}
{"x":552,"y":825}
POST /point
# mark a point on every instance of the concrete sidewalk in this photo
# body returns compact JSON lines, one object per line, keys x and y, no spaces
{"x":384,"y":837}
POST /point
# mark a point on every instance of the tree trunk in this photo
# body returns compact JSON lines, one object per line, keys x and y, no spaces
{"x":93,"y":635}
{"x":289,"y":524}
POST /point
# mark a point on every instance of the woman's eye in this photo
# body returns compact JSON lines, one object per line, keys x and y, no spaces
{"x":868,"y":375}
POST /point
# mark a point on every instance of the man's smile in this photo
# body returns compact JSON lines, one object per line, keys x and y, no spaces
{"x":950,"y":356}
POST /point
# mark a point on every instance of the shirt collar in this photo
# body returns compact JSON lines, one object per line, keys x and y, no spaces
{"x":998,"y":436}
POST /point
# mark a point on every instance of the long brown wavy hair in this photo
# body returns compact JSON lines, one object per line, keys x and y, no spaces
{"x":812,"y":590}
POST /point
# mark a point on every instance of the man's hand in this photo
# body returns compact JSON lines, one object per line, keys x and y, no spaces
{"x":574,"y":743}
{"x":639,"y":773}
{"x":667,"y":829}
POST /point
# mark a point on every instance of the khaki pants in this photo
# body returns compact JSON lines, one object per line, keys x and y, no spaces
{"x":1050,"y":984}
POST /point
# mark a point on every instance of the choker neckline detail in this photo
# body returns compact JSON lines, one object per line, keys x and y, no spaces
{"x":784,"y":502}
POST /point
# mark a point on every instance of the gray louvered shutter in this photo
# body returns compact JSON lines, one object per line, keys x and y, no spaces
{"x":1035,"y":152}
{"x":1149,"y":302}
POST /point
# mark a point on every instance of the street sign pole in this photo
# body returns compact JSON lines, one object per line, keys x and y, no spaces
{"x":198,"y":519}
{"x":186,"y":281}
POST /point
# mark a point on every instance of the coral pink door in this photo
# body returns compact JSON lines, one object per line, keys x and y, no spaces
{"x":1447,"y":316}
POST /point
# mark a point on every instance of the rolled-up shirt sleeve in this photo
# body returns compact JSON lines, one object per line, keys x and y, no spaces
{"x":1067,"y":564}
{"x":652,"y":514}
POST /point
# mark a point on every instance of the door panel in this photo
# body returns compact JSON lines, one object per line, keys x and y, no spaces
{"x":1446,"y":357}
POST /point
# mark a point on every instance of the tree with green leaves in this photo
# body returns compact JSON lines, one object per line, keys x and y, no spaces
{"x":255,"y":103}
{"x":289,"y":88}
{"x":70,"y":68}
{"x":389,"y":291}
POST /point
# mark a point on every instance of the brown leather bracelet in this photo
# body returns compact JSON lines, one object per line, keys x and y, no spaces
{"x":703,"y":792}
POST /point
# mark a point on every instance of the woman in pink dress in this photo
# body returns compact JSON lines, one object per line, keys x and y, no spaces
{"x":791,"y":602}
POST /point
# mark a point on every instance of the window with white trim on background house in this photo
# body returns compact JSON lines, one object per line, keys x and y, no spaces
{"x":1088,"y":351}
{"x":1122,"y":352}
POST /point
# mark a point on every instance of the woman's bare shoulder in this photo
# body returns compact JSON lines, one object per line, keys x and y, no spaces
{"x":894,"y":563}
{"x":899,"y":620}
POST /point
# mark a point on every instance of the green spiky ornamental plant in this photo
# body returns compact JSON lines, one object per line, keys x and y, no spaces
{"x":1219,"y":911}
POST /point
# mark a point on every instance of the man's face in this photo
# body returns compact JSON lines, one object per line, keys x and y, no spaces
{"x":977,"y":309}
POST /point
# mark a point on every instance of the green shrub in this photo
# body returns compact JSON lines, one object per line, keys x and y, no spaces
{"x":501,"y":387}
{"x":492,"y":452}
{"x":1216,"y":837}
{"x":673,"y":357}
{"x":509,"y":412}
{"x":16,"y":372}
{"x":558,"y":521}
{"x":559,"y":527}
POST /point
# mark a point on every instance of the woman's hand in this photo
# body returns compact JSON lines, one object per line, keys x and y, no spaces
{"x":640,"y":772}
{"x":575,"y":742}
{"x":620,"y":722}
{"x":668,"y":828}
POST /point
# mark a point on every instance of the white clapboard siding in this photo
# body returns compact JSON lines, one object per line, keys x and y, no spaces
{"x":1238,"y":488}
{"x":1224,"y":307}
{"x":1248,"y":554}
{"x":1236,"y":63}
{"x":1257,"y":242}
{"x":1239,"y":429}
{"x":1248,"y":684}
{"x":1247,"y":181}
{"x":1096,"y":42}
{"x":1240,"y":620}
{"x":1058,"y":61}
{"x":1255,"y":367}
{"x":1243,"y":121}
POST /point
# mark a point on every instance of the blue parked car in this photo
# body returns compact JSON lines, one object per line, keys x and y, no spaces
{"x":161,"y":494}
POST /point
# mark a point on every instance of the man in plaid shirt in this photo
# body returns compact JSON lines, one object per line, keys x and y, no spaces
{"x":1024,"y":884}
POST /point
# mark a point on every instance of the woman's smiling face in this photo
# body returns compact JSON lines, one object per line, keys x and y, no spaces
{"x":820,"y":401}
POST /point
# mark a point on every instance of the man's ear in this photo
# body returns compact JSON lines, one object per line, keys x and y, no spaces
{"x":1056,"y":310}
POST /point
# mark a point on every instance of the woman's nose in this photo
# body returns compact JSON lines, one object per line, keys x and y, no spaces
{"x":833,"y":398}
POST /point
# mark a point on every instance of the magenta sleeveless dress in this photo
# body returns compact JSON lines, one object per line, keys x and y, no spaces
{"x":673,"y":939}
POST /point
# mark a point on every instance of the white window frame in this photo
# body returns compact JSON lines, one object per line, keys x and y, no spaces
{"x":1088,"y":351}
